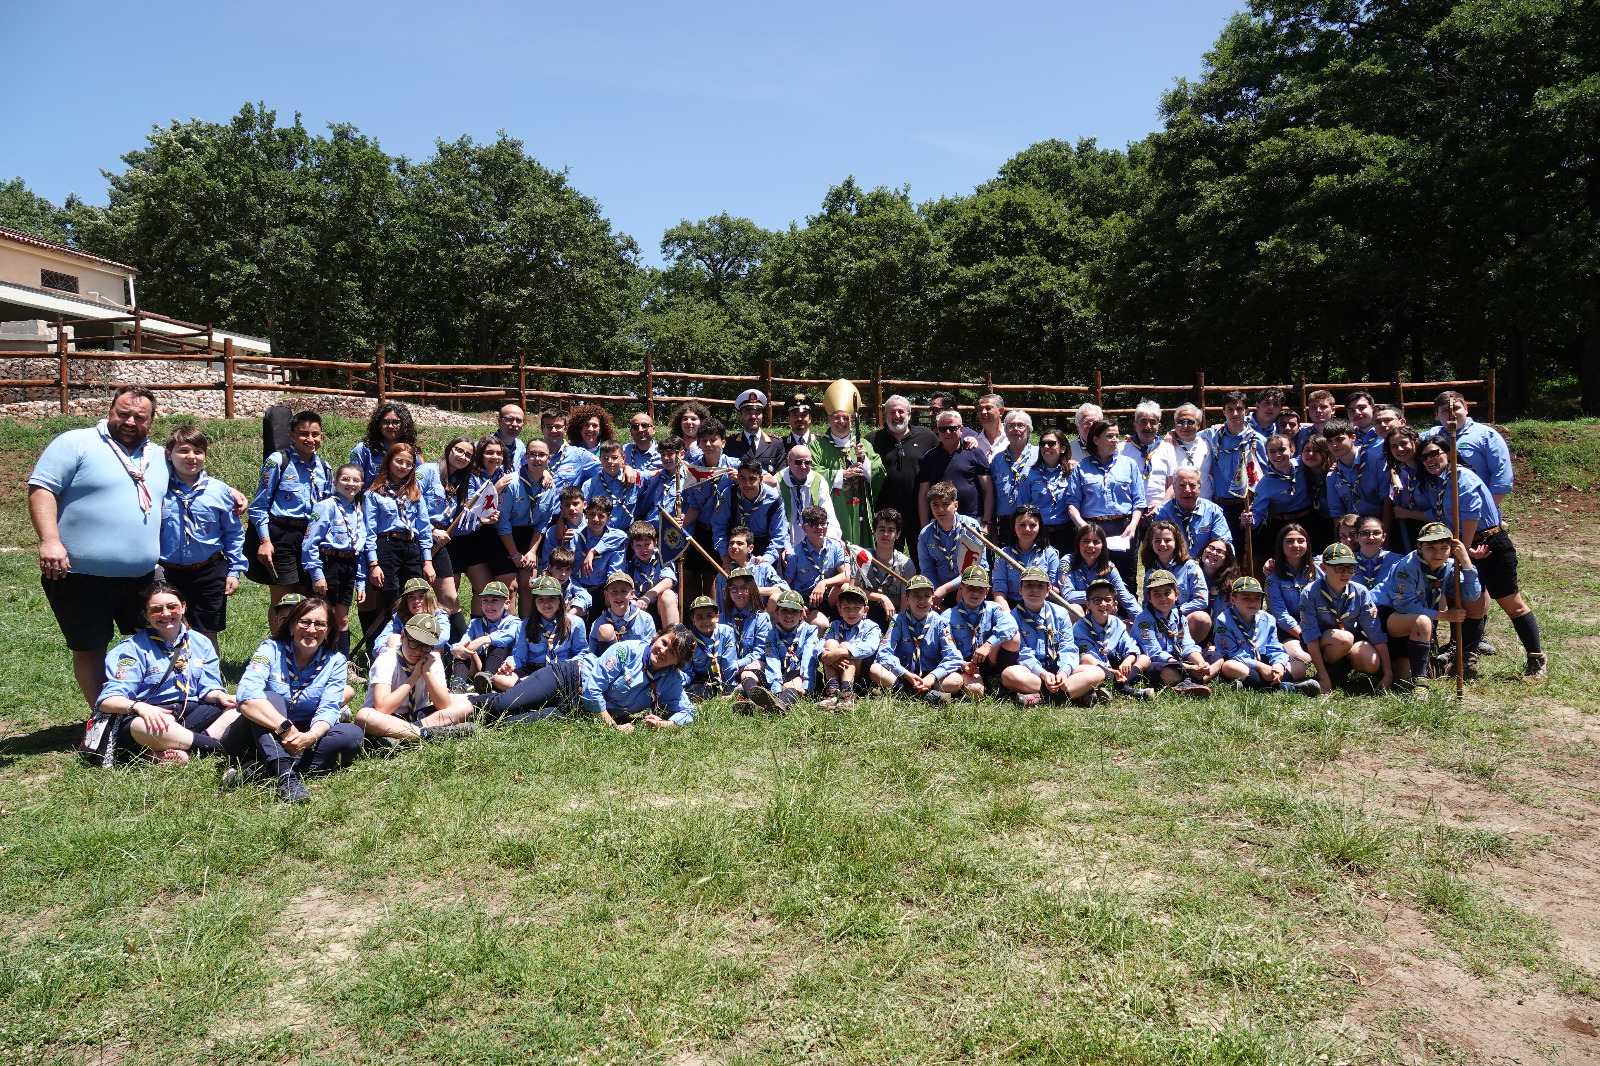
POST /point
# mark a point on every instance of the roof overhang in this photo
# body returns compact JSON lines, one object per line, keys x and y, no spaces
{"x":66,"y":306}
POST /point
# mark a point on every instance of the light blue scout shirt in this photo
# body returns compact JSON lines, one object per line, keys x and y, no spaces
{"x":198,"y":521}
{"x":1200,"y":526}
{"x":766,"y":578}
{"x":387,"y":514}
{"x":1279,"y":494}
{"x":309,"y":696}
{"x":1372,"y":570}
{"x":1074,"y":586}
{"x":289,"y":488}
{"x":1286,"y":594}
{"x":921,"y":647}
{"x":105,"y":531}
{"x":714,"y":657}
{"x":751,"y":630}
{"x":1007,"y":579}
{"x":764,"y":516}
{"x":1046,"y":634}
{"x":571,"y":465}
{"x":439,"y":508}
{"x":553,"y":540}
{"x":1412,"y":588}
{"x":1359,"y":487}
{"x":1477,"y":502}
{"x":525,"y":503}
{"x":537,"y":644}
{"x":137,"y":669}
{"x":1106,"y":489}
{"x":575,"y":597}
{"x":620,"y":490}
{"x":806,"y":566}
{"x":646,"y":572}
{"x":1194,"y":593}
{"x":1228,"y":453}
{"x":791,"y":653}
{"x":988,"y":623}
{"x":939,"y":553}
{"x":1323,"y":612}
{"x":340,"y":526}
{"x":1257,"y":642}
{"x":1046,"y":488}
{"x":1483,"y":449}
{"x":371,"y":461}
{"x":633,"y":625}
{"x":862,"y":639}
{"x":1262,"y":433}
{"x":646,"y":461}
{"x":621,"y":680}
{"x":1108,"y":645}
{"x":1164,"y":639}
{"x":501,"y":634}
{"x":608,"y":548}
{"x":1009,"y":475}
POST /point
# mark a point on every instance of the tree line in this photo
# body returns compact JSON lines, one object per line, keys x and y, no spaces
{"x":1353,"y":189}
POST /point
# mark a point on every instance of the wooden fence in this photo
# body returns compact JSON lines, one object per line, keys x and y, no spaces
{"x":383,"y":380}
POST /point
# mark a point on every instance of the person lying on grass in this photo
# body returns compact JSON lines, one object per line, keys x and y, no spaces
{"x":1175,"y":659}
{"x":917,"y":654}
{"x":1048,"y":666}
{"x":984,"y":633}
{"x":852,"y":642}
{"x":1247,"y":644}
{"x":550,"y":635}
{"x":1339,"y":624}
{"x":633,"y":679}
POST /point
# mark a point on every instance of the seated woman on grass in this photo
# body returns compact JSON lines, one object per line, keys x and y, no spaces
{"x":163,"y":693}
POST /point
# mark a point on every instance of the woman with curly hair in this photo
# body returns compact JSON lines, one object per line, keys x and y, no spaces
{"x":589,"y":425}
{"x":686,"y":422}
{"x":390,"y":423}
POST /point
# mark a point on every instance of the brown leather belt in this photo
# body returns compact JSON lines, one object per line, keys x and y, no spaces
{"x":192,"y":566}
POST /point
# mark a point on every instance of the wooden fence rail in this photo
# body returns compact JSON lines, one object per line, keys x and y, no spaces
{"x":379,"y":378}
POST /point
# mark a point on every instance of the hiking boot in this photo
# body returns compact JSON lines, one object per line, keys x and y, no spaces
{"x":1535,"y":670}
{"x":742,"y":704}
{"x":846,"y":702}
{"x":447,"y":732}
{"x":1191,"y":688}
{"x":460,"y":686}
{"x":1469,"y":666}
{"x":829,"y":702}
{"x":241,"y":775}
{"x":292,"y":790}
{"x":1128,"y":690}
{"x":1308,"y":687}
{"x":1029,"y":699}
{"x":936,"y":697}
{"x":1419,"y":689}
{"x":765,"y":700}
{"x":482,"y":682}
{"x":1485,"y":648}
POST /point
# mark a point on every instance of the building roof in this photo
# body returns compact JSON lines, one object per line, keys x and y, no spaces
{"x":69,"y":306}
{"x":7,"y":233}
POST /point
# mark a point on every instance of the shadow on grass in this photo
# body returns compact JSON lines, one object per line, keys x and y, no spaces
{"x":40,"y":742}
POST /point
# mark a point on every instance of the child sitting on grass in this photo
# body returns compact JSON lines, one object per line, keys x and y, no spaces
{"x":1175,"y":659}
{"x":711,"y":670}
{"x":1103,"y":641}
{"x":1339,"y":624}
{"x":751,"y":624}
{"x":620,"y":620}
{"x":852,"y":642}
{"x":788,"y":664}
{"x":917,"y":653}
{"x":984,"y":633}
{"x":1247,"y":644}
{"x":488,"y":642}
{"x":1048,"y":665}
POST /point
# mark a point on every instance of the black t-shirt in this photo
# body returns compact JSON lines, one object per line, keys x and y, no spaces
{"x":900,"y":458}
{"x":963,"y":469}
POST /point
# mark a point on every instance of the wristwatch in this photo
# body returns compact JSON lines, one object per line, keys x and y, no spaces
{"x":283,"y":727}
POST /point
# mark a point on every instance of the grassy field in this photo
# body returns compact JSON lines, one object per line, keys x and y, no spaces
{"x":1247,"y":880}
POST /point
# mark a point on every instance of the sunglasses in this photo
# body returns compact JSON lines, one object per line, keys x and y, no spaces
{"x":1187,"y":422}
{"x":949,"y":429}
{"x":169,"y":608}
{"x":799,"y":462}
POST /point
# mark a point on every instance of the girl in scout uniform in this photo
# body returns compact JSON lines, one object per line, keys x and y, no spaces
{"x":549,"y":635}
{"x":1316,"y":460}
{"x":1089,"y":561}
{"x":1045,"y":487}
{"x":416,"y":597}
{"x":1339,"y":624}
{"x":1165,"y":549}
{"x":984,"y":632}
{"x":334,"y":553}
{"x":1405,"y":508}
{"x":399,"y":532}
{"x":443,"y":490}
{"x":1293,"y":570}
{"x":163,"y":692}
{"x":1048,"y":666}
{"x":1280,"y":496}
{"x":1374,"y":562}
{"x":1027,"y":549}
{"x":743,"y":608}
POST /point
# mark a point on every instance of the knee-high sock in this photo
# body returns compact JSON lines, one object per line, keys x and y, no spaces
{"x":1419,"y":659}
{"x":1399,"y":650}
{"x":1527,"y":628}
{"x":1472,"y":632}
{"x":458,"y":627}
{"x":787,"y":697}
{"x":344,"y":643}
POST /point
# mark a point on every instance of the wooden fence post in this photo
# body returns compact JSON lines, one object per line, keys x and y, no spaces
{"x":138,"y":331}
{"x":766,"y":387}
{"x":1200,"y":394}
{"x":1489,"y":384}
{"x":1305,"y":406}
{"x":61,"y":363}
{"x":877,"y":394}
{"x":649,"y":385}
{"x":378,"y":369}
{"x":1099,"y":400}
{"x":227,"y":378}
{"x":1400,"y":394}
{"x":522,"y":380}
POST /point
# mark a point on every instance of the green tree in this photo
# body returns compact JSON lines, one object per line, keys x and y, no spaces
{"x":22,"y":209}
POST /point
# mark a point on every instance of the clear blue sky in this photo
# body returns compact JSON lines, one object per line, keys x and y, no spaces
{"x":659,"y":111}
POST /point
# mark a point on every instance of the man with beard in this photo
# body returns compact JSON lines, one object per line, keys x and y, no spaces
{"x":900,"y":447}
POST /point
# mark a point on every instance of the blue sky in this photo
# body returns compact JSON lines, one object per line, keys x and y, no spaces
{"x":659,"y":111}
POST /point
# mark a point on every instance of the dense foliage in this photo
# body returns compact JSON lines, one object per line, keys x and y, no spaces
{"x":1354,"y":189}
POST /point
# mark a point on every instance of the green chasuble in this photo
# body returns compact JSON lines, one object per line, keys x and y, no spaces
{"x":849,"y":502}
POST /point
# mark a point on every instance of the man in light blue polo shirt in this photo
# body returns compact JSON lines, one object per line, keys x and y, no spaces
{"x":95,"y":500}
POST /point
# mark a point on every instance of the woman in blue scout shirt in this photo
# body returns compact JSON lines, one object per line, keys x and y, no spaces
{"x":1294,"y":568}
{"x":1028,"y":549}
{"x":1417,"y":596}
{"x":1339,"y":624}
{"x":1107,"y":488}
{"x":479,"y":528}
{"x":549,"y":635}
{"x":202,"y":540}
{"x":399,"y":534}
{"x":1045,"y":487}
{"x":334,"y":553}
{"x":390,"y":423}
{"x":163,"y":692}
{"x":1280,"y":496}
{"x":289,"y":700}
{"x":441,"y":489}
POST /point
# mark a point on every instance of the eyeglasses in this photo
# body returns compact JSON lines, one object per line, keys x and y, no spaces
{"x":1187,"y":422}
{"x":1370,"y":534}
{"x":165,"y":608}
{"x":306,"y":623}
{"x":389,"y":422}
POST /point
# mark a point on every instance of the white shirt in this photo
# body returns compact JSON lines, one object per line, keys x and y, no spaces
{"x":986,"y":446}
{"x":389,"y":668}
{"x":1163,"y":461}
{"x":802,"y":499}
{"x":1196,"y":454}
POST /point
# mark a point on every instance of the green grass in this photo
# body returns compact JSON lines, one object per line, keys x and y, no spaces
{"x":1140,"y":883}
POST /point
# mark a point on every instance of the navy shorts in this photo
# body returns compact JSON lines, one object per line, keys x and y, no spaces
{"x":1498,"y":571}
{"x":86,"y":606}
{"x":205,"y":591}
{"x":286,"y":542}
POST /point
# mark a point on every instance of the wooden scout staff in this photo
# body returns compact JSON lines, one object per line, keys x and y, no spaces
{"x":1001,"y":552}
{"x":1457,"y":629}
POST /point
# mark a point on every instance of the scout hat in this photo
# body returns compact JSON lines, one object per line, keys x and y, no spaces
{"x":496,"y":588}
{"x":415,"y":584}
{"x":1434,"y":531}
{"x":1338,"y":555}
{"x":424,"y":629}
{"x":919,"y":582}
{"x":1035,"y":573}
{"x":1156,"y":578}
{"x":1246,"y":584}
{"x":1100,"y":583}
{"x":293,"y":599}
{"x":789,"y":599}
{"x":542,"y":586}
{"x":853,"y":591}
{"x":702,"y":601}
{"x":975,"y":575}
{"x":741,"y":571}
{"x":619,"y":578}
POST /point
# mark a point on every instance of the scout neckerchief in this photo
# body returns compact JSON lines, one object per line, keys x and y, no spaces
{"x":1015,"y":466}
{"x":1187,"y":520}
{"x":1100,"y":636}
{"x":1053,"y":480}
{"x":187,"y":495}
{"x":1188,"y":450}
{"x":341,"y":519}
{"x":740,"y":619}
{"x":1343,"y":609}
{"x":178,"y":656}
{"x":650,"y":568}
{"x":1145,"y":452}
{"x":134,"y":471}
{"x":614,"y":487}
{"x":1352,"y":485}
{"x":707,"y":645}
{"x":1167,"y":624}
{"x":1288,"y":479}
{"x":653,"y":679}
{"x":637,"y":457}
{"x":948,"y":554}
{"x":916,"y":631}
{"x":619,"y":623}
{"x":547,"y":629}
{"x":791,"y":649}
{"x":972,"y":619}
{"x":1232,"y":618}
{"x":1432,"y":586}
{"x":1299,"y":580}
{"x":671,"y":537}
{"x":1042,"y":622}
{"x":1367,"y":567}
{"x":1245,"y":439}
{"x":811,"y":559}
{"x":1082,"y":575}
{"x":293,"y":673}
{"x":529,"y":489}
